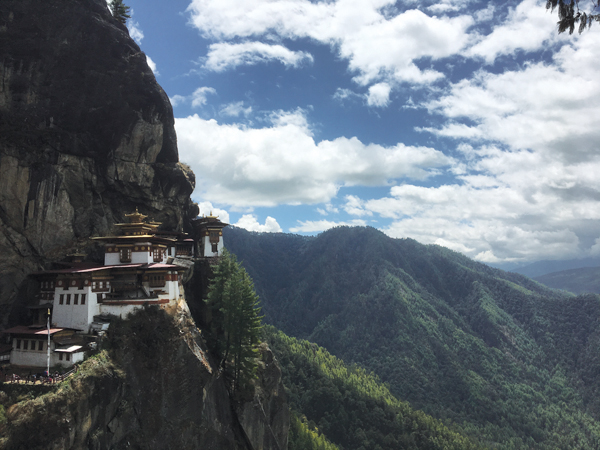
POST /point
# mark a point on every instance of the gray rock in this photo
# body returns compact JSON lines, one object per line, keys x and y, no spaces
{"x":86,"y":135}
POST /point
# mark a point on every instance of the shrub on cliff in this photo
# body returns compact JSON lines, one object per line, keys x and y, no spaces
{"x":120,"y":11}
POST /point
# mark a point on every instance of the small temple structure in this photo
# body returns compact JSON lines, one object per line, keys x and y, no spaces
{"x":209,"y":233}
{"x":140,"y":268}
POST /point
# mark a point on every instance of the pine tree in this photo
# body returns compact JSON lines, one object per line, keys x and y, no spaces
{"x":236,"y":320}
{"x":120,"y":11}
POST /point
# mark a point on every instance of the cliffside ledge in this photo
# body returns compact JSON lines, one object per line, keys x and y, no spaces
{"x":153,"y":388}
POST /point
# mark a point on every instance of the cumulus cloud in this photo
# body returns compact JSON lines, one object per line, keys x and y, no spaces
{"x":526,"y":187}
{"x":379,"y":95}
{"x":207,"y":209}
{"x":328,"y":209}
{"x":199,"y":97}
{"x":527,"y":28}
{"x":223,"y":56}
{"x":315,"y":226}
{"x":378,"y":47}
{"x":250,"y":223}
{"x":543,"y":107}
{"x":178,"y":100}
{"x":524,"y":139}
{"x":342,"y":95}
{"x":235,"y":109}
{"x":448,"y":5}
{"x":135,"y":31}
{"x":490,"y":224}
{"x":355,"y":206}
{"x":152,"y":65}
{"x":282,"y":164}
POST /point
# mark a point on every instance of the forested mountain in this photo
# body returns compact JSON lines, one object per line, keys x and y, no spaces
{"x":353,"y":408}
{"x":515,"y":363}
{"x":579,"y":281}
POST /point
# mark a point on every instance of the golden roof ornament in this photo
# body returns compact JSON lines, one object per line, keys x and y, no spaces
{"x":136,"y":217}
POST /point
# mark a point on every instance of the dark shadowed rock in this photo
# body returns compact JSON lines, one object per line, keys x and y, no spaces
{"x":86,"y":135}
{"x":158,"y":389}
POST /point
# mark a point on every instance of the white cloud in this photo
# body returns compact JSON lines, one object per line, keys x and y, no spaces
{"x":379,"y":95}
{"x":355,"y":206}
{"x":235,"y":109}
{"x":494,"y":224}
{"x":250,"y":223}
{"x":329,"y":209}
{"x":152,"y":66}
{"x":487,"y":14}
{"x":527,"y":28}
{"x":448,"y":5}
{"x":345,"y":94}
{"x":377,"y":47}
{"x":282,"y":164}
{"x":542,"y":107}
{"x":315,"y":226}
{"x":199,"y":97}
{"x":223,"y":56}
{"x":207,"y":209}
{"x":135,"y":31}
{"x":178,"y":100}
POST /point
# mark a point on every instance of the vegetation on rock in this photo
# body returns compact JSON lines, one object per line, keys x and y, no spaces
{"x":235,"y":321}
{"x":120,"y":11}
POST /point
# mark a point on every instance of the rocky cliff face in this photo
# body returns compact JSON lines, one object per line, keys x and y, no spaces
{"x":86,"y":135}
{"x":157,"y":390}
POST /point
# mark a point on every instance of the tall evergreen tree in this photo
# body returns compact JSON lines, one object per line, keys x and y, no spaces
{"x":120,"y":11}
{"x":235,"y":317}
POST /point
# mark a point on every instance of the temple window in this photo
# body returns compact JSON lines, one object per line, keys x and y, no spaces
{"x":40,"y":345}
{"x":75,"y":299}
{"x":18,"y":344}
{"x":61,"y":299}
{"x":25,"y":344}
{"x":68,"y":299}
{"x":157,"y":255}
{"x":83,"y":299}
{"x":125,"y":255}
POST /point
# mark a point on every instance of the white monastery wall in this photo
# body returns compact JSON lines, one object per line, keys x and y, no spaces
{"x":71,"y":315}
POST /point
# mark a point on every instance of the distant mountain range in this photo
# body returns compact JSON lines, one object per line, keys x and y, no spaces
{"x":516,"y":364}
{"x":578,"y":281}
{"x":540,"y":268}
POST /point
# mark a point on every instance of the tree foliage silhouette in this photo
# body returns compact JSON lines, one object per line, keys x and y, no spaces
{"x":120,"y":11}
{"x":570,"y":16}
{"x":236,"y":318}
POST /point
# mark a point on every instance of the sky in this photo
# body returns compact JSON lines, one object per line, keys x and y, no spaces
{"x":469,"y":124}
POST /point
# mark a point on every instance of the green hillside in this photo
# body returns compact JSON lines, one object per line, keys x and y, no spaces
{"x":515,"y":363}
{"x":352,"y":408}
{"x":579,"y":281}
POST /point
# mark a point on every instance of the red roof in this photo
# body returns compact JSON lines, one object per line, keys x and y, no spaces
{"x":22,"y":329}
{"x":116,"y":266}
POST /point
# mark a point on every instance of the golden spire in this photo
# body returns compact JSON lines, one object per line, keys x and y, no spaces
{"x":136,"y":217}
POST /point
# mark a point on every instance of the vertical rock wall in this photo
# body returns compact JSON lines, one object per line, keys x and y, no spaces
{"x":86,"y":135}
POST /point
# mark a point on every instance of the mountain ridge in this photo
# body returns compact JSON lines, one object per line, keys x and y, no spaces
{"x":456,"y":338}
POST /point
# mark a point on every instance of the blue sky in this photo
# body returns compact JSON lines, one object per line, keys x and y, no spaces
{"x":469,"y":124}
